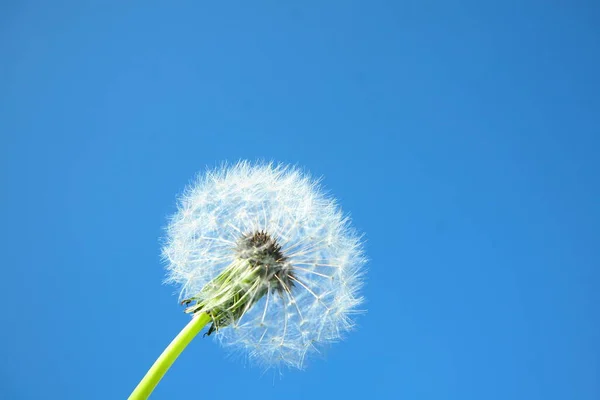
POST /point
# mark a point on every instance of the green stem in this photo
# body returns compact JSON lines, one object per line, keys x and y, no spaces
{"x":168,"y":356}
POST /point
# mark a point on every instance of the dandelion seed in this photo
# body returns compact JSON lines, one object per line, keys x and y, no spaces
{"x":260,"y":252}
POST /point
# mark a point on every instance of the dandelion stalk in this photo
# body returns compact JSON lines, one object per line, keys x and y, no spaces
{"x":168,"y":356}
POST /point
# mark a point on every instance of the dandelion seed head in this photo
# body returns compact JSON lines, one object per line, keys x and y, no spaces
{"x":296,"y":264}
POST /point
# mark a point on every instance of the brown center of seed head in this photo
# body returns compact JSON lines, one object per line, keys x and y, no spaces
{"x":264,"y":252}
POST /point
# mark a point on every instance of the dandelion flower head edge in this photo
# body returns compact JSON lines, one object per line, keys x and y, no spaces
{"x":263,"y":250}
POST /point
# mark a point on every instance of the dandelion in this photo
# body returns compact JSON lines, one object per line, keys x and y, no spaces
{"x":261,"y":253}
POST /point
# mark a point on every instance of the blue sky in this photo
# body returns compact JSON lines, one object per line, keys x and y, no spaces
{"x":462,"y":137}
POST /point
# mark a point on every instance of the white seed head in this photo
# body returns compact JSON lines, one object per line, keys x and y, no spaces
{"x":270,"y":257}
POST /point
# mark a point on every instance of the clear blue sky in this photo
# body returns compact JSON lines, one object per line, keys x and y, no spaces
{"x":463,"y":138}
